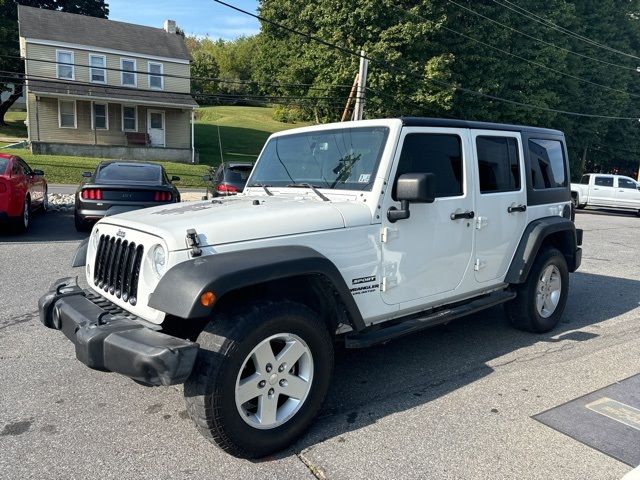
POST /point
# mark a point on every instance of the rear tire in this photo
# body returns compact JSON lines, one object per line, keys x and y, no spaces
{"x":80,"y":223}
{"x":233,"y":347}
{"x":540,"y":301}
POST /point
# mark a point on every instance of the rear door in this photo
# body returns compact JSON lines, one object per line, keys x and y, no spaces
{"x":501,"y":201}
{"x":602,"y":191}
{"x":627,"y":194}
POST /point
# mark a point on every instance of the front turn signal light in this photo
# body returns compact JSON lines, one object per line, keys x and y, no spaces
{"x":207,"y":299}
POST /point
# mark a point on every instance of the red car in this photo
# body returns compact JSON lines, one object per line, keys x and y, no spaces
{"x":22,"y":191}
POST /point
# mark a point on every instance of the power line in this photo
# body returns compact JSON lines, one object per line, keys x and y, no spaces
{"x":137,"y":93}
{"x":435,"y":81}
{"x":604,"y":62}
{"x":506,"y":52}
{"x":549,"y":24}
{"x":174,"y":75}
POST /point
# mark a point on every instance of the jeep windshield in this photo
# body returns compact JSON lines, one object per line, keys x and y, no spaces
{"x":341,"y":159}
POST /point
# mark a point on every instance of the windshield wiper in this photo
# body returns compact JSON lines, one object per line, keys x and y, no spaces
{"x":312,"y":187}
{"x":264,"y":187}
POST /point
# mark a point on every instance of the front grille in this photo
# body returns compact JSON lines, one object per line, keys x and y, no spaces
{"x":117,"y":267}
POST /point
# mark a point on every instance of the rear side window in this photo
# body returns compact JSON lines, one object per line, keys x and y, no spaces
{"x":440,"y":154}
{"x":604,"y":181}
{"x":584,"y":180}
{"x":547,"y":164}
{"x":498,"y":164}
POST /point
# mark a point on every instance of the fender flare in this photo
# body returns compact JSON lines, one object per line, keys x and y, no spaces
{"x":532,"y":239}
{"x":179,"y":290}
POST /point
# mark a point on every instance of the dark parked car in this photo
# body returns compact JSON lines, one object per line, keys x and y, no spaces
{"x":117,"y":187}
{"x":229,"y":178}
{"x":22,"y":190}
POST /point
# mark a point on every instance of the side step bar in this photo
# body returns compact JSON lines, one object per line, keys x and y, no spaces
{"x":417,"y":322}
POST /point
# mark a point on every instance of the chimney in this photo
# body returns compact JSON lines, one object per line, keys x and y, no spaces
{"x":170,"y":26}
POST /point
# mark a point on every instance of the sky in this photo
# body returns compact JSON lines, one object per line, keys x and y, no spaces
{"x":195,"y":17}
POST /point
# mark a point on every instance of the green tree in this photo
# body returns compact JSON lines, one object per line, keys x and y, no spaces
{"x":9,"y":41}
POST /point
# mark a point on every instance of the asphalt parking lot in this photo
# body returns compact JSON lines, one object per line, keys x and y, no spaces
{"x":450,"y":403}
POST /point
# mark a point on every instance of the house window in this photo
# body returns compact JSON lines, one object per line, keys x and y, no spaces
{"x":65,"y":68}
{"x":129,"y":119}
{"x":156,"y":80}
{"x":67,"y":114}
{"x":128,"y":75}
{"x":100,"y":116}
{"x":98,"y":72}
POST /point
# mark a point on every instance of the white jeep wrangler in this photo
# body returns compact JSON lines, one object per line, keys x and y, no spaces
{"x":356,"y":232}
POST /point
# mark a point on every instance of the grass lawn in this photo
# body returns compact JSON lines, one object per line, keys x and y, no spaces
{"x":243,"y":131}
{"x":16,"y":129}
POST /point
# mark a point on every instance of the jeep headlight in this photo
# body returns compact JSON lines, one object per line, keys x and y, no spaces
{"x":159,"y":260}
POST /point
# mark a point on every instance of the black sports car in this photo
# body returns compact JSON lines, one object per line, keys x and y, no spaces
{"x":118,"y":187}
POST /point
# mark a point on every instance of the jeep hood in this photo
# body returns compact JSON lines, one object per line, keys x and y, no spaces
{"x":242,"y":218}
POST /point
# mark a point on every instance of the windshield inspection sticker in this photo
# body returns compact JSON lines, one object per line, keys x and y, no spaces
{"x":364,"y":178}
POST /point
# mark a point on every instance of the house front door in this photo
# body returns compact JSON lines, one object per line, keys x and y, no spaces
{"x":156,"y":128}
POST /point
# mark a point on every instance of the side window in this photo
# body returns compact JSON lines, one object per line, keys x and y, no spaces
{"x":604,"y":181}
{"x":626,"y":183}
{"x":17,"y":169}
{"x":584,"y":180}
{"x":498,"y":164}
{"x":440,"y":154}
{"x":26,"y":168}
{"x":547,"y":164}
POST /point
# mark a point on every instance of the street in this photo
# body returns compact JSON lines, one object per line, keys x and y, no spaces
{"x":453,"y":402}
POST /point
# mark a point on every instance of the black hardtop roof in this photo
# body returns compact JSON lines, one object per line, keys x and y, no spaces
{"x":451,"y":123}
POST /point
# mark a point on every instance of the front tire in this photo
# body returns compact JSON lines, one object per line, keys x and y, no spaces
{"x":260,"y":377}
{"x":540,"y":301}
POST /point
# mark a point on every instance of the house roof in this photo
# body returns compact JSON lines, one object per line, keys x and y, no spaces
{"x":113,"y":94}
{"x":44,"y":24}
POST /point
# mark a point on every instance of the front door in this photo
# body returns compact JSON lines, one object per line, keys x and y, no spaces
{"x":429,"y":253}
{"x":501,"y":201}
{"x":156,"y":128}
{"x":628,"y":194}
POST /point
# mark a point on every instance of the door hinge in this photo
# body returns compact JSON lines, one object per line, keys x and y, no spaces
{"x":481,"y":222}
{"x":389,"y":276}
{"x":388,"y":234}
{"x":479,"y":265}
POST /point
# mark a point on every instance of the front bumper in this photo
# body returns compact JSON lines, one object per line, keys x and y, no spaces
{"x":110,"y":339}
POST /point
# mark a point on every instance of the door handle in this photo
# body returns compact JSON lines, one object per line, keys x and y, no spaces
{"x":596,"y":188}
{"x":461,"y":215}
{"x":517,"y":208}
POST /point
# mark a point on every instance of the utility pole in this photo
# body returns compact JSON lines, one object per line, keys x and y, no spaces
{"x":352,"y":94}
{"x":362,"y":85}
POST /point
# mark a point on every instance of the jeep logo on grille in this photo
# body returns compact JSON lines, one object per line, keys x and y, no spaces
{"x":121,"y":233}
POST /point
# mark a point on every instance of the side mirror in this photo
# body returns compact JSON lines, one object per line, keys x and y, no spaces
{"x":86,"y":174}
{"x":175,"y":178}
{"x":412,"y":188}
{"x":38,"y":173}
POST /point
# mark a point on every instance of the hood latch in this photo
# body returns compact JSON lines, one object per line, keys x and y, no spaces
{"x":193,"y":242}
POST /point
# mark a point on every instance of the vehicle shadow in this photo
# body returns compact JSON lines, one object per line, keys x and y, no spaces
{"x":50,"y":227}
{"x":374,"y":383}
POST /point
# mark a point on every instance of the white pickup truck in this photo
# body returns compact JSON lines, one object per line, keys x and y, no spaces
{"x":600,"y":190}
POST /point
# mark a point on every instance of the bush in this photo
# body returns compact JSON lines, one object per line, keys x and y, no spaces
{"x":287,"y":114}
